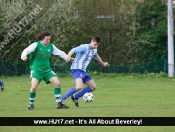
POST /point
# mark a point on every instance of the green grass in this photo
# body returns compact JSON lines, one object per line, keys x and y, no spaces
{"x":117,"y":95}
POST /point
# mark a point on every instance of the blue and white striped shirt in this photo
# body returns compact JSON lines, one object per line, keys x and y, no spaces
{"x":84,"y":54}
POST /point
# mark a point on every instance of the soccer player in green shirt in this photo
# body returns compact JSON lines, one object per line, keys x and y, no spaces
{"x":40,"y":54}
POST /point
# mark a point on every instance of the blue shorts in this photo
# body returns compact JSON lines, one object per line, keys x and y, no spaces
{"x":76,"y":73}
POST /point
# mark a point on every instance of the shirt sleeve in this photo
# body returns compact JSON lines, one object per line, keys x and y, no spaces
{"x":58,"y":52}
{"x":81,"y":48}
{"x":96,"y":54}
{"x":28,"y":50}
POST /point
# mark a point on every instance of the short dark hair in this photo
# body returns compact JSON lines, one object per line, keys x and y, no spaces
{"x":42,"y":34}
{"x":96,"y":39}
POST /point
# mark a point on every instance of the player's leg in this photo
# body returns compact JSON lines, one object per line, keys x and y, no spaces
{"x":52,"y":78}
{"x":32,"y":94}
{"x":91,"y":86}
{"x":57,"y":88}
{"x":35,"y":80}
{"x":77,"y":76}
{"x":79,"y":85}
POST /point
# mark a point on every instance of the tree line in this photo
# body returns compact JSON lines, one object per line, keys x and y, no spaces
{"x":131,"y":31}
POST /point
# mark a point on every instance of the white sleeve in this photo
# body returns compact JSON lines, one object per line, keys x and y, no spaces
{"x":56,"y":51}
{"x":28,"y":50}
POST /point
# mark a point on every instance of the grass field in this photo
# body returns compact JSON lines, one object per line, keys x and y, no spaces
{"x":117,"y":95}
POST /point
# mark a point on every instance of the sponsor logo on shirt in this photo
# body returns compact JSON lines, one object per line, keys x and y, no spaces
{"x":44,"y":54}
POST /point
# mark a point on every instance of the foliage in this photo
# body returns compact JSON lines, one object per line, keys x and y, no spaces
{"x":152,"y":32}
{"x":132,"y":31}
{"x":109,"y":19}
{"x":44,"y":20}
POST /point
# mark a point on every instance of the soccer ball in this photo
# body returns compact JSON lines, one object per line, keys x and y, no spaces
{"x":88,"y":97}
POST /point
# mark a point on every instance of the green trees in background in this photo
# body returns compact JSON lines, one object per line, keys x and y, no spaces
{"x":110,"y":19}
{"x":132,"y":31}
{"x":152,"y":32}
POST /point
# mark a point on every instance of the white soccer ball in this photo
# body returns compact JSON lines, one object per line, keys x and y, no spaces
{"x":88,"y":97}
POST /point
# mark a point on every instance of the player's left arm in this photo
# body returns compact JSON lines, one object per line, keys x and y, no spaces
{"x":101,"y":61}
{"x":58,"y":52}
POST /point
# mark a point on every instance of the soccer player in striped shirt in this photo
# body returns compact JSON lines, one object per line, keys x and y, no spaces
{"x":40,"y":54}
{"x":84,"y":54}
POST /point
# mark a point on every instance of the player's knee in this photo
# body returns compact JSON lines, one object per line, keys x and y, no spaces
{"x":78,"y":88}
{"x":94,"y":88}
{"x":33,"y":88}
{"x":57,"y":85}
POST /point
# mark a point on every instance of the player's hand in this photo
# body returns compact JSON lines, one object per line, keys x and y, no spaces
{"x":67,"y":58}
{"x":24,"y":58}
{"x":105,"y":64}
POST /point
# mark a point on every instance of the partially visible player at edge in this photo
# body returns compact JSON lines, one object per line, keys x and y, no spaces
{"x":40,"y":54}
{"x":1,"y":86}
{"x":84,"y":54}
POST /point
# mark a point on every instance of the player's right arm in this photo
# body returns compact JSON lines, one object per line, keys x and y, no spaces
{"x":68,"y":56}
{"x":28,"y":50}
{"x":81,"y":48}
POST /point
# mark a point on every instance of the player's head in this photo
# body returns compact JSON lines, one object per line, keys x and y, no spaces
{"x":95,"y":42}
{"x":44,"y":37}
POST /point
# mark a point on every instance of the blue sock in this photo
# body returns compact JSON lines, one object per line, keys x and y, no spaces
{"x":69,"y":93}
{"x":82,"y":92}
